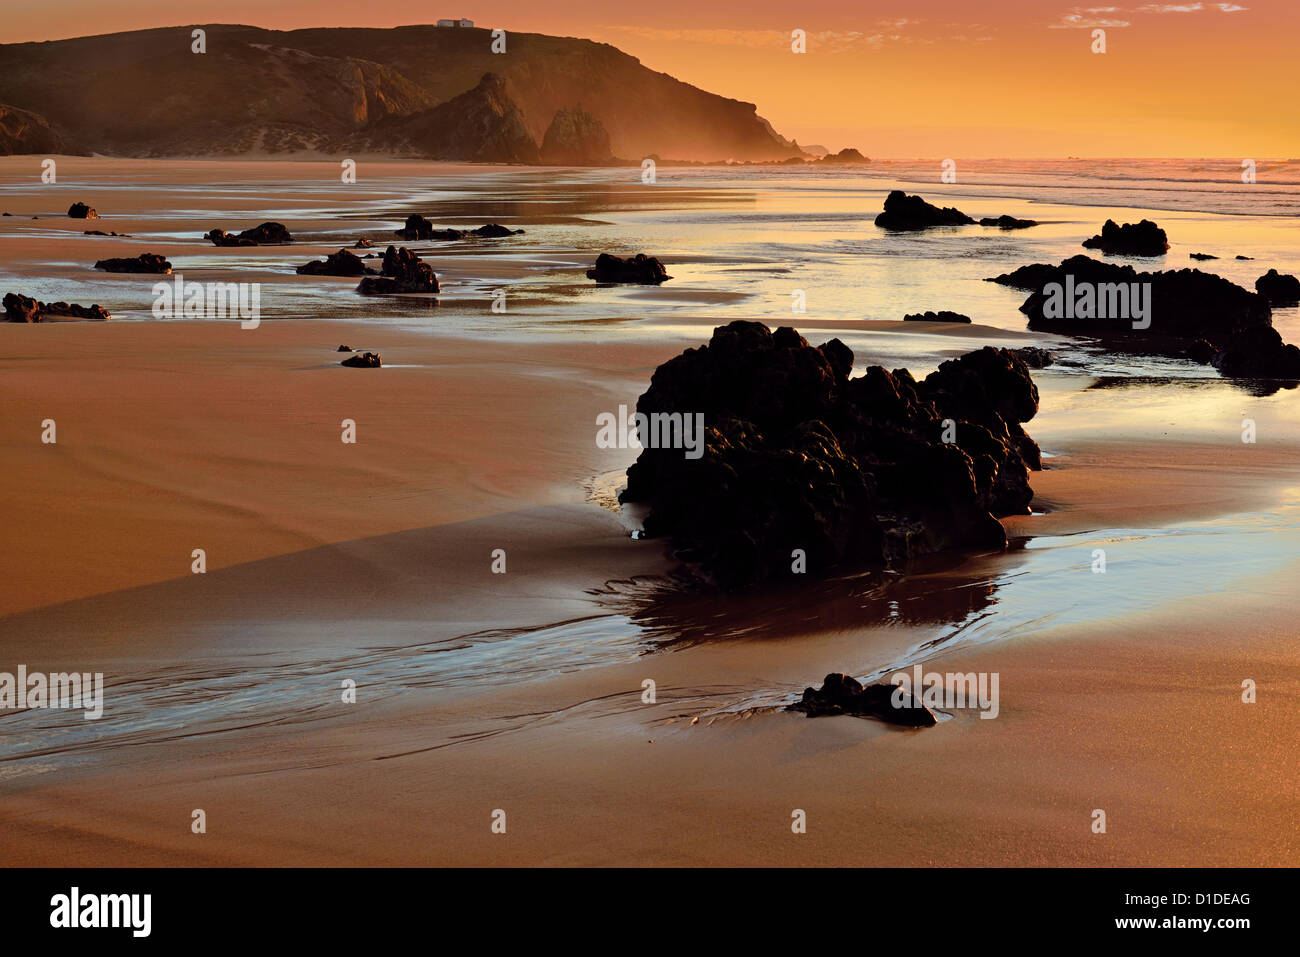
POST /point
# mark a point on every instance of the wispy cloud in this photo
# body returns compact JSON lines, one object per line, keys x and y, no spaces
{"x":825,"y":41}
{"x":1086,"y":18}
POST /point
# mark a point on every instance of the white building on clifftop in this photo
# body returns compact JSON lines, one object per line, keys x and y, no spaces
{"x":462,"y":22}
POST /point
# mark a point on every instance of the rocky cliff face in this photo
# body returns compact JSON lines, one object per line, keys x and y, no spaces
{"x":483,"y":125}
{"x":22,"y":131}
{"x":258,"y":90}
{"x":576,"y":138}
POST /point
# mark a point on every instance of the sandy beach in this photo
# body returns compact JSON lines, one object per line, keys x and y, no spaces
{"x":522,"y":691}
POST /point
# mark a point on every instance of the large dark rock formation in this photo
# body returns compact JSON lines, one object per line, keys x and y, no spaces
{"x":576,"y":138}
{"x":267,"y":234}
{"x":843,"y":694}
{"x":1185,"y":303}
{"x":403,"y":271}
{"x":1279,"y":289}
{"x":1132,"y":239}
{"x":1192,"y":314}
{"x":144,"y":263}
{"x":846,"y":155}
{"x":82,"y":211}
{"x":341,"y":263}
{"x":640,"y":268}
{"x":910,"y":213}
{"x":19,"y":308}
{"x":796,"y":455}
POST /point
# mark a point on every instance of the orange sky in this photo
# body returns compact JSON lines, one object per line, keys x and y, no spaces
{"x":931,"y":78}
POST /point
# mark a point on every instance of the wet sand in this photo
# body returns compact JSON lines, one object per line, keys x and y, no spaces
{"x":321,"y":553}
{"x":523,"y":691}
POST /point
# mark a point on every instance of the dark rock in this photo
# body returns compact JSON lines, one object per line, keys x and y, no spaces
{"x":363,"y":360}
{"x":1202,"y":256}
{"x":1201,"y":351}
{"x":1246,"y":257}
{"x":576,"y":138}
{"x":20,"y":308}
{"x":1132,"y":239}
{"x":852,"y":471}
{"x":145,"y":262}
{"x":1258,"y":353}
{"x":363,"y":244}
{"x":25,"y":132}
{"x":1185,"y":303}
{"x":903,"y":212}
{"x":82,"y":211}
{"x":640,"y":268}
{"x":403,"y":271}
{"x":267,"y":234}
{"x":417,"y":227}
{"x":341,"y":263}
{"x":343,"y":349}
{"x":846,"y":155}
{"x":1034,"y":357}
{"x":1033,"y":276}
{"x":100,"y":232}
{"x":943,"y":315}
{"x":842,"y":694}
{"x":1279,"y":288}
{"x":494,"y":230}
{"x":1008,"y":222}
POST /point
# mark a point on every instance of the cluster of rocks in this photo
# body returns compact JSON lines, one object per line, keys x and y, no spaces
{"x":843,"y":694}
{"x":417,"y":227}
{"x":796,"y":455}
{"x":19,"y":308}
{"x":144,"y":263}
{"x":904,"y":213}
{"x":640,"y":268}
{"x":943,"y":315}
{"x":1192,"y":314}
{"x":267,"y":234}
{"x":1143,"y":238}
{"x":100,"y":232}
{"x":402,"y":271}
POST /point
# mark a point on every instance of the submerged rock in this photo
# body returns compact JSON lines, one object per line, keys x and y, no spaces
{"x":1202,"y":256}
{"x":417,"y":227}
{"x":1144,"y":238}
{"x":403,"y":271}
{"x":19,"y":308}
{"x":82,"y":211}
{"x":943,"y":315}
{"x":363,"y":360}
{"x":640,"y":268}
{"x":267,"y":234}
{"x":1008,"y":222}
{"x":1034,"y":357}
{"x":1279,"y":288}
{"x":341,"y":263}
{"x":793,"y":454}
{"x":363,"y":244}
{"x":909,"y":213}
{"x":843,"y":694}
{"x":144,"y":263}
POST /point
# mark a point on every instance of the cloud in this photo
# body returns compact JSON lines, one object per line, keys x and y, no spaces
{"x":1085,"y":18}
